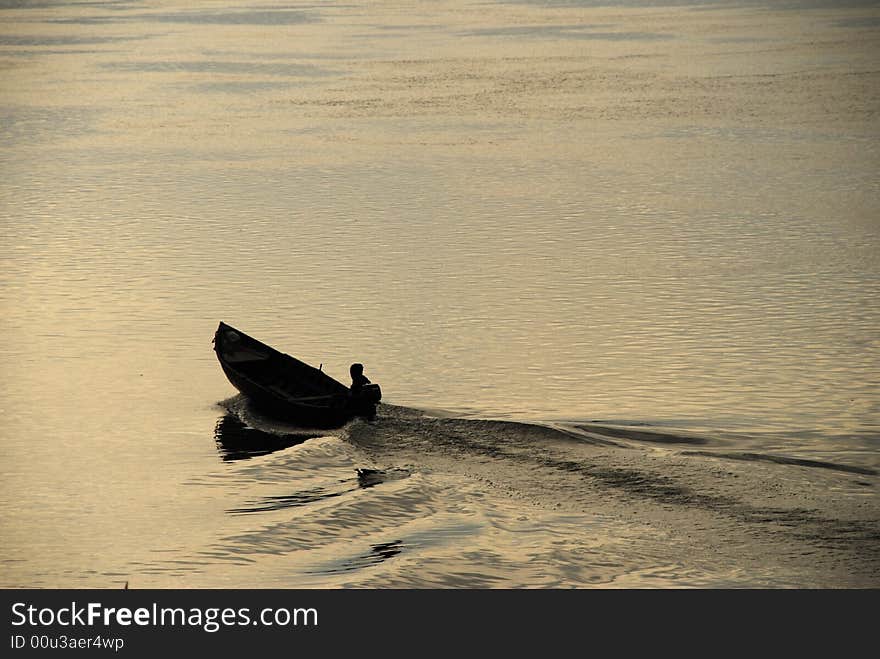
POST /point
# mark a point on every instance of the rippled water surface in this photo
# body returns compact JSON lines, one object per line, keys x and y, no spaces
{"x":604,"y":218}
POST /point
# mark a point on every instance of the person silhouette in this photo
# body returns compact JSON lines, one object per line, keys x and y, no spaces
{"x":358,"y":379}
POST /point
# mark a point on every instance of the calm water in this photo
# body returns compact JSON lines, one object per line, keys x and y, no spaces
{"x":589,"y":216}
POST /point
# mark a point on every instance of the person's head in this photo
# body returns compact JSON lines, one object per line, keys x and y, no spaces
{"x":356,"y":369}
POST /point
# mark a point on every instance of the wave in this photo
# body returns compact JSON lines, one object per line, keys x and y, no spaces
{"x":640,"y":435}
{"x":365,"y":478}
{"x":377,"y":501}
{"x":785,"y":460}
{"x":244,"y":433}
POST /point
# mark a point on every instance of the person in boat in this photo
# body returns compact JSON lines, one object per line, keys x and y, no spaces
{"x":358,"y":379}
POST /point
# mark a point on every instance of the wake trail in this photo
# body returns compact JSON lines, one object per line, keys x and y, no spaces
{"x":805,"y":515}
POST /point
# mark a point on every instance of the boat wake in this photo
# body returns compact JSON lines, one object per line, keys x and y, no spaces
{"x":380,"y":501}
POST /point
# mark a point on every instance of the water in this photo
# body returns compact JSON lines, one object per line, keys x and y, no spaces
{"x":651,"y":230}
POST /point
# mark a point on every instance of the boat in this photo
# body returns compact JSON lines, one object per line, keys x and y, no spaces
{"x":284,"y":386}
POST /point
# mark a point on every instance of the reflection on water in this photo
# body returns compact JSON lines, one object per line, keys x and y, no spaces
{"x":290,"y":500}
{"x":236,"y":441}
{"x":376,"y":555}
{"x":372,"y":477}
{"x":365,"y":478}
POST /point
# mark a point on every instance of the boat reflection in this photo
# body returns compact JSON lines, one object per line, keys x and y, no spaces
{"x":236,"y":441}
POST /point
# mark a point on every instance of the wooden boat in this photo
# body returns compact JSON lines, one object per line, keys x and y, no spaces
{"x":284,"y":386}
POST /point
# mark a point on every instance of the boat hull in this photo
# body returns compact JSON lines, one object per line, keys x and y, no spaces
{"x":285,"y":387}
